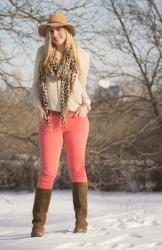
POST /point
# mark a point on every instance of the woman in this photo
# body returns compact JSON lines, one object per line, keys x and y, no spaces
{"x":59,"y":91}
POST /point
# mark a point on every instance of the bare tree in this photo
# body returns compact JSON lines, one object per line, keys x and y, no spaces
{"x":136,"y":34}
{"x":132,"y":130}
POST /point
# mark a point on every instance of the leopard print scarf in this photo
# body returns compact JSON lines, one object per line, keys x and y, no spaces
{"x":66,"y":71}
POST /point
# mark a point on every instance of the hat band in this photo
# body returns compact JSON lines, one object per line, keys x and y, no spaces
{"x":57,"y":22}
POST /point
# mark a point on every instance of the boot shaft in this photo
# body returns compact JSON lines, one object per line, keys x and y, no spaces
{"x":79,"y":190}
{"x":40,"y":208}
{"x":42,"y":199}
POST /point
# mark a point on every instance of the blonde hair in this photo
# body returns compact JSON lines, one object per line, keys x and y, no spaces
{"x":69,"y":43}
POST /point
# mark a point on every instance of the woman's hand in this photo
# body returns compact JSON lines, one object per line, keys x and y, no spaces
{"x":81,"y":111}
{"x":42,"y":114}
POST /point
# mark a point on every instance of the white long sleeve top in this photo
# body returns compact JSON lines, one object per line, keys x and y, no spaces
{"x":79,"y":94}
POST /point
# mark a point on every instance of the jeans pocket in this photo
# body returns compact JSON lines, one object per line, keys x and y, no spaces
{"x":82,"y":117}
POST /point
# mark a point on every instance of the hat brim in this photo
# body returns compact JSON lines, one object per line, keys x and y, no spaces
{"x":42,"y":29}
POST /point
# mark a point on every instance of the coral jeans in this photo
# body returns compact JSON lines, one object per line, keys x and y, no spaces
{"x":51,"y":139}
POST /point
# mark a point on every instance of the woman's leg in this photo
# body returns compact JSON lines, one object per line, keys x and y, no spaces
{"x":40,"y":208}
{"x":75,"y":139}
{"x":50,"y":144}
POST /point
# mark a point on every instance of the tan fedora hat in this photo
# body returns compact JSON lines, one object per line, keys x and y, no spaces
{"x":56,"y":19}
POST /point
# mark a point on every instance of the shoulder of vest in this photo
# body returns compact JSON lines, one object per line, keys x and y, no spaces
{"x":83,"y":53}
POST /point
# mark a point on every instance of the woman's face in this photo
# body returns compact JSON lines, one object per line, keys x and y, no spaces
{"x":58,"y":35}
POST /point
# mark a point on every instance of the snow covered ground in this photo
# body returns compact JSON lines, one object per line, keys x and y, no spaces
{"x":117,"y":221}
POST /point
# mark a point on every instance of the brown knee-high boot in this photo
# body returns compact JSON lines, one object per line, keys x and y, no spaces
{"x":40,"y":208}
{"x":79,"y":191}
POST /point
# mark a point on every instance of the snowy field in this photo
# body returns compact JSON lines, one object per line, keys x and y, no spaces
{"x":117,"y":221}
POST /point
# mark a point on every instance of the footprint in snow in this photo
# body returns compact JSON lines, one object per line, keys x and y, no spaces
{"x":114,"y":240}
